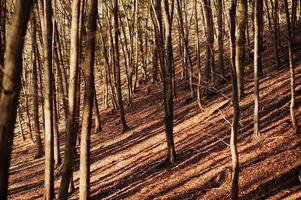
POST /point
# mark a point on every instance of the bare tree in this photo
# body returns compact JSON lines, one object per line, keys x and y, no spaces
{"x":257,"y":62}
{"x":39,"y":147}
{"x":292,"y":69}
{"x":48,"y":104}
{"x":11,"y":88}
{"x":235,"y":103}
{"x":117,"y":67}
{"x":240,"y":40}
{"x":73,"y":84}
{"x":88,"y":101}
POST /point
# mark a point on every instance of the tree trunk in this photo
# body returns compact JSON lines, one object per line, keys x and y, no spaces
{"x":71,"y":133}
{"x":187,"y":58}
{"x":88,"y":101}
{"x":39,"y":147}
{"x":240,"y":40}
{"x":292,"y":70}
{"x":2,"y":37}
{"x":257,"y":62}
{"x":220,"y":39}
{"x":48,"y":108}
{"x":11,"y":88}
{"x":209,"y":66}
{"x":168,"y":90}
{"x":96,"y":114}
{"x":117,"y":68}
{"x":235,"y":102}
{"x":276,"y":33}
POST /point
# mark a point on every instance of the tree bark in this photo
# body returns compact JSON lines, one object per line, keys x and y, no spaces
{"x":167,"y":80}
{"x":257,"y":62}
{"x":292,"y":70}
{"x":209,"y":66}
{"x":240,"y":40}
{"x":236,"y":110}
{"x":39,"y":147}
{"x":73,"y":84}
{"x":48,"y":103}
{"x":117,"y":68}
{"x":220,"y":39}
{"x":276,"y":33}
{"x":88,"y":101}
{"x":11,"y":88}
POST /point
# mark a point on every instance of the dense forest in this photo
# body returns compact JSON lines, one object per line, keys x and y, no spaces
{"x":150,"y":99}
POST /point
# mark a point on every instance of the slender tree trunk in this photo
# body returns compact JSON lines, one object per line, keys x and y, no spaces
{"x":220,"y":39}
{"x":198,"y":57}
{"x":96,"y":114}
{"x":240,"y":40}
{"x":267,"y":9}
{"x":187,"y":58}
{"x":276,"y":33}
{"x":88,"y":102}
{"x":117,"y":68}
{"x":48,"y":109}
{"x":292,"y":70}
{"x":257,"y":62}
{"x":235,"y":103}
{"x":56,"y":140}
{"x":11,"y":88}
{"x":136,"y":43}
{"x":209,"y":66}
{"x":21,"y":125}
{"x":168,"y":90}
{"x":39,"y":147}
{"x":73,"y":84}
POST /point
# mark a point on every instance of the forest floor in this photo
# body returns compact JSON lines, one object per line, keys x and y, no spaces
{"x":130,"y":165}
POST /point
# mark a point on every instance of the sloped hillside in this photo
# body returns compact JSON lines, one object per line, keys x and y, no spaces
{"x":130,"y":165}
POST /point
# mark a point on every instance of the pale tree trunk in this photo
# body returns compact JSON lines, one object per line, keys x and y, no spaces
{"x":39,"y":147}
{"x":48,"y":104}
{"x":136,"y":44}
{"x":292,"y":70}
{"x":198,"y":56}
{"x":209,"y":66}
{"x":257,"y":61}
{"x":84,"y":188}
{"x":71,"y":133}
{"x":236,"y":110}
{"x":220,"y":39}
{"x":11,"y":88}
{"x":117,"y":68}
{"x":56,"y":144}
{"x":240,"y":40}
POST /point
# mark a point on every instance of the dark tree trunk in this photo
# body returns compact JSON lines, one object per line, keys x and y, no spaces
{"x":117,"y":68}
{"x":11,"y":88}
{"x":39,"y":147}
{"x":235,"y":102}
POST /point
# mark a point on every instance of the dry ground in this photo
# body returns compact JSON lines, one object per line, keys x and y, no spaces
{"x":130,"y":165}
